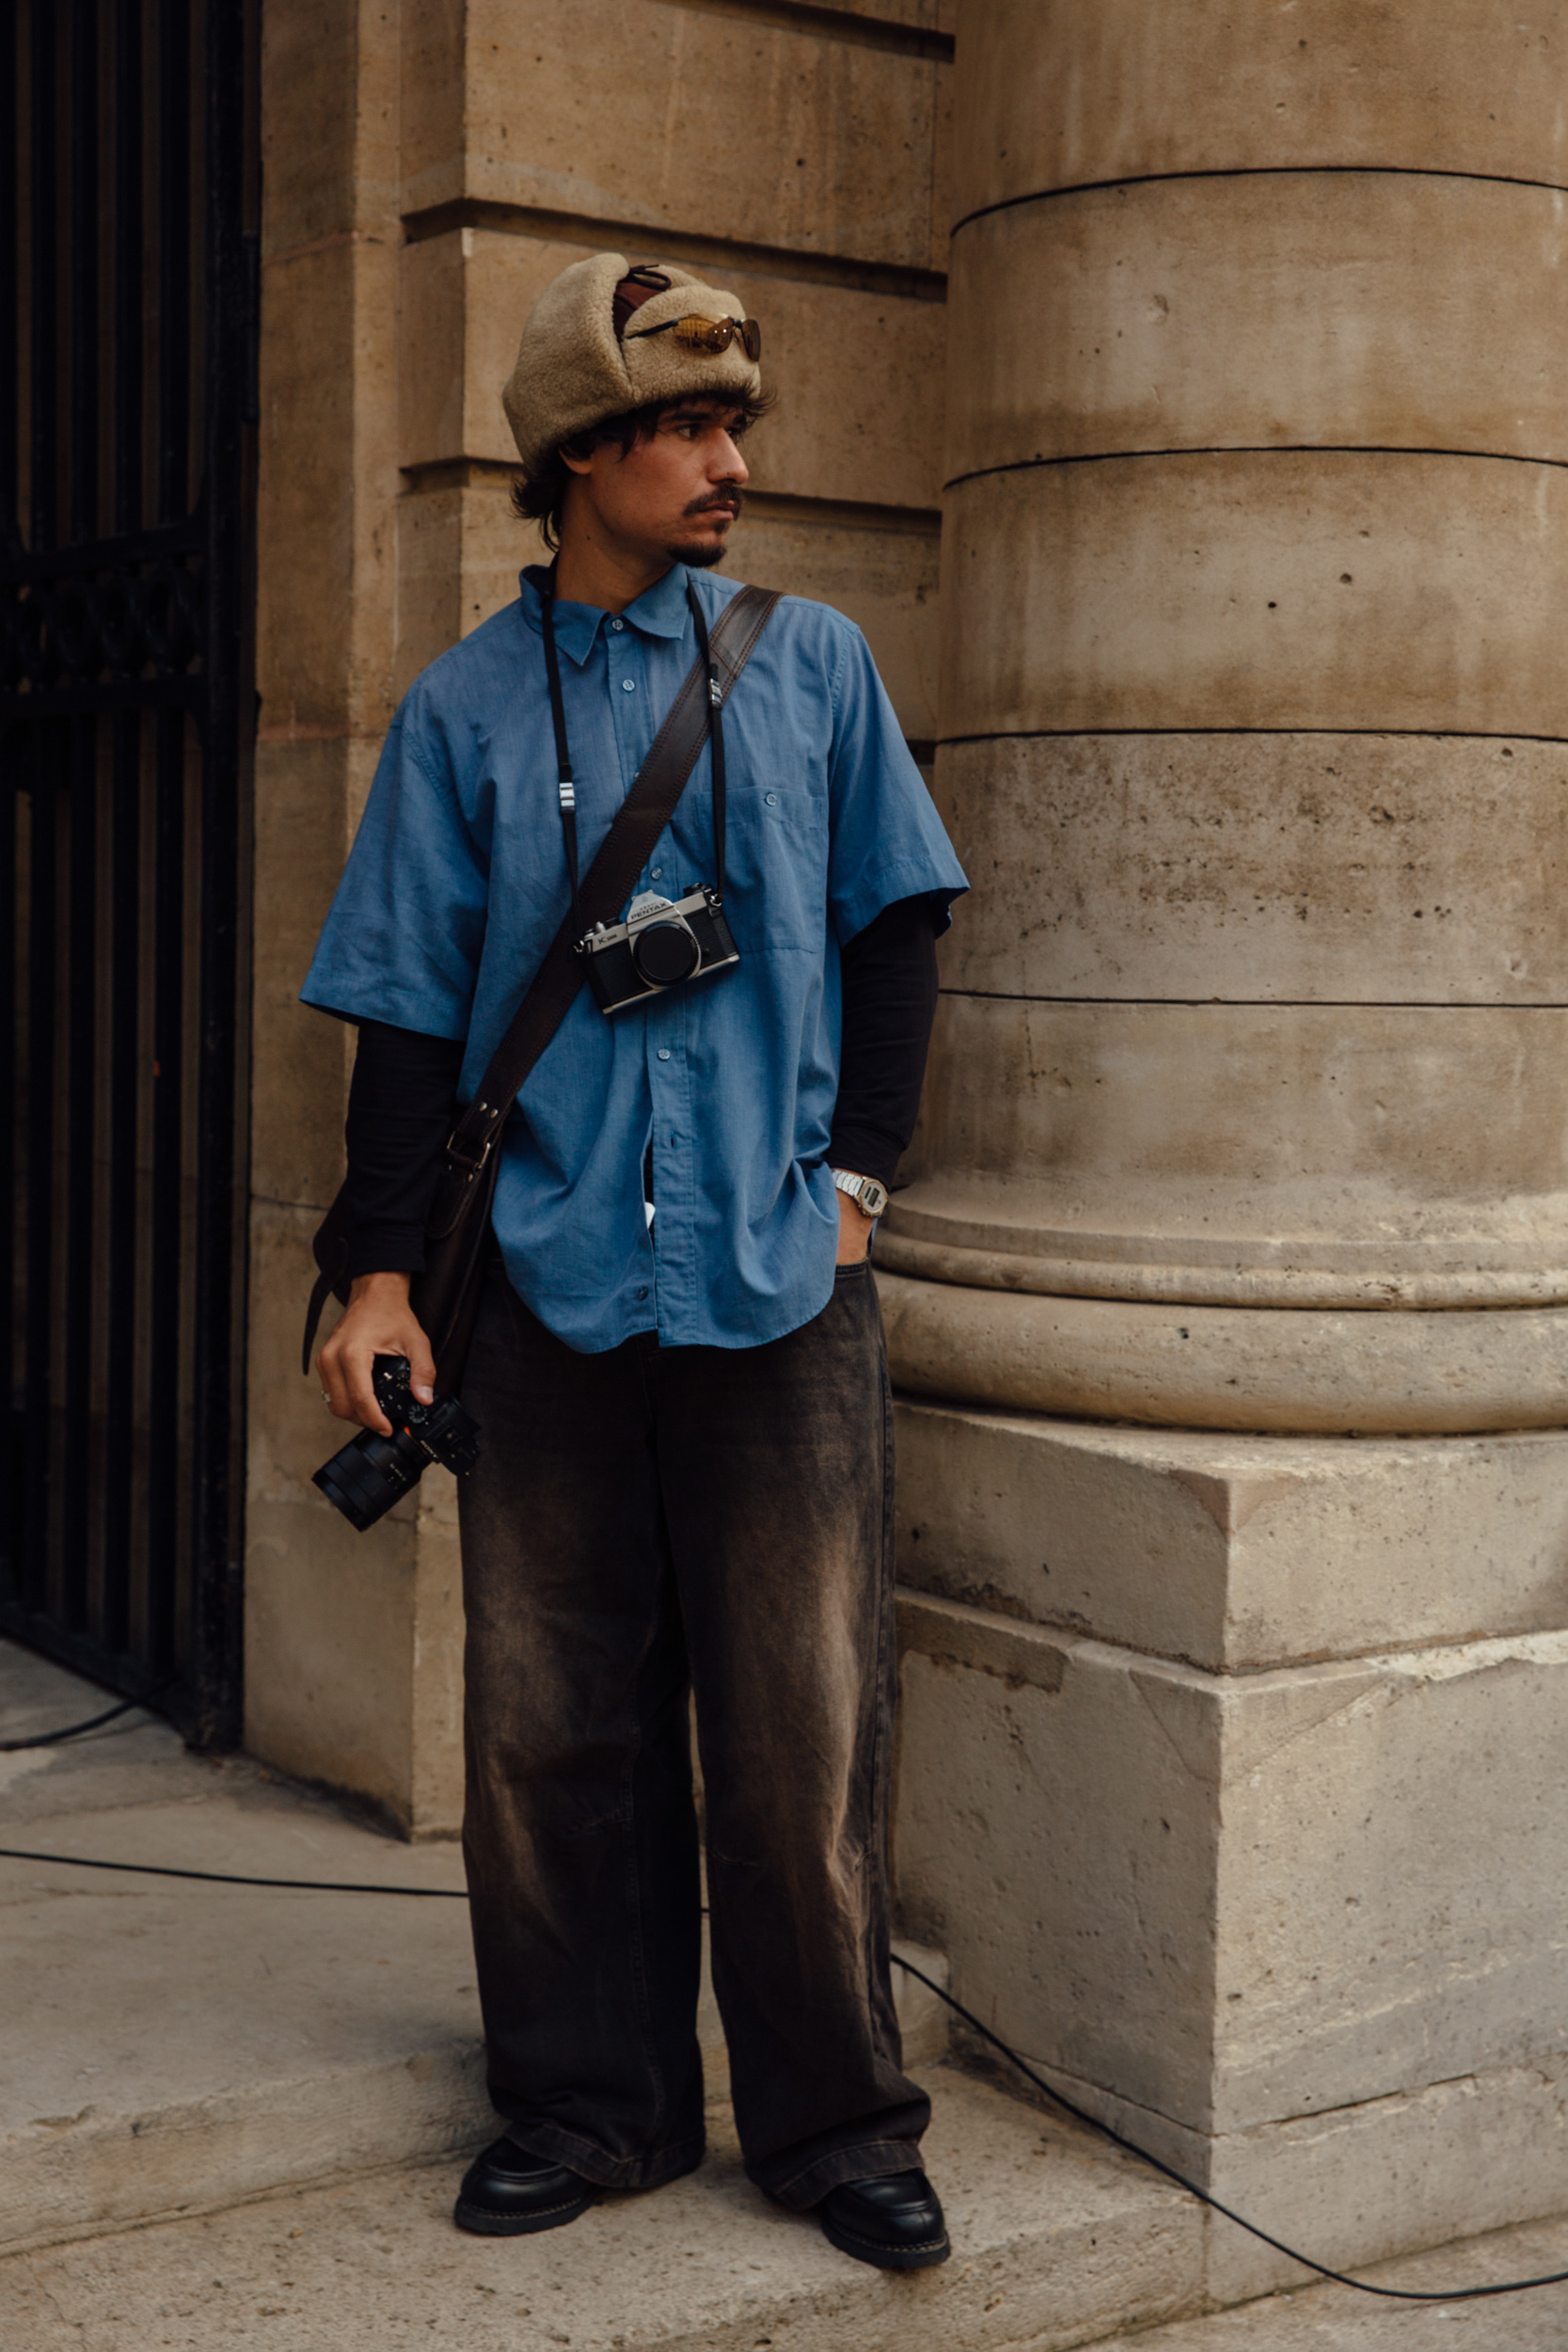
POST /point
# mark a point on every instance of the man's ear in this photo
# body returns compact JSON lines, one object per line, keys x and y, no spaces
{"x":576,"y":461}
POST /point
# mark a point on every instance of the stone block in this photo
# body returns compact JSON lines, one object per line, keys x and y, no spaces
{"x":1350,"y":309}
{"x":957,"y":1333}
{"x":460,"y":549}
{"x":784,"y":135}
{"x":1234,"y":1555}
{"x":329,"y":119}
{"x":1062,"y":96}
{"x":1351,"y":868}
{"x":326,"y":489}
{"x":464,"y":296}
{"x":1051,"y":1840}
{"x":1284,"y":1153}
{"x":1322,"y":589}
{"x":885,"y":580}
{"x":859,"y":375}
{"x":309,"y":795}
{"x":329,"y":1635}
{"x":1239,"y":1900}
{"x":1380,"y":2177}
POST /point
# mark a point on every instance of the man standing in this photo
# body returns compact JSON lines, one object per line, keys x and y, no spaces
{"x":678,"y":1369}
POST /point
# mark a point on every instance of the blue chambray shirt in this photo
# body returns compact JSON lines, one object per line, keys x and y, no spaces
{"x":456,"y":883}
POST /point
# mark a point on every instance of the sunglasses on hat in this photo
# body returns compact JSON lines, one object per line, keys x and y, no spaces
{"x":711,"y":336}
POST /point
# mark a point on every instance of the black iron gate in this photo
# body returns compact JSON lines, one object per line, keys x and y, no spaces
{"x":127,"y":289}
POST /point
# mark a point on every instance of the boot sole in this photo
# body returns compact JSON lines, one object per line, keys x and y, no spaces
{"x":866,"y":2249}
{"x":483,"y":2223}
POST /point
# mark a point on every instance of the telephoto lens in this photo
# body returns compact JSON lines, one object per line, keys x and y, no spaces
{"x":373,"y":1472}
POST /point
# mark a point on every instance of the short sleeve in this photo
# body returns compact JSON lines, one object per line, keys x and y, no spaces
{"x":887,"y":840}
{"x":402,"y":939}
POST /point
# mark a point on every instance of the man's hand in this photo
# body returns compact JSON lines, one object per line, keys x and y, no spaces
{"x":854,"y":1231}
{"x":377,"y":1321}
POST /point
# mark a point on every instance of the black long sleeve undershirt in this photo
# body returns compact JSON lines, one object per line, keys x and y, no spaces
{"x":890,"y":1002}
{"x":404,"y":1089}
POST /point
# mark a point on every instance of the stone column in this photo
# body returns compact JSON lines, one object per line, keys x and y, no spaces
{"x":1229,"y":1739}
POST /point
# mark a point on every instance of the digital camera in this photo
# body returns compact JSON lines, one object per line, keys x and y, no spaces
{"x":372,"y":1473}
{"x":662,"y":943}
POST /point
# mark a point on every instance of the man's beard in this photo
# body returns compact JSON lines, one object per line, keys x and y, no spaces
{"x":701,"y":555}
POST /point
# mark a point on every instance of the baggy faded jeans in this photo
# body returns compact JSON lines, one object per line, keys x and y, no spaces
{"x":642,"y":1520}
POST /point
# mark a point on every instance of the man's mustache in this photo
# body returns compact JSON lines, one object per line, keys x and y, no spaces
{"x":726,"y":501}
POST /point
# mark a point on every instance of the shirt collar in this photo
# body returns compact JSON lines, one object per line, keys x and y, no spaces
{"x":659,"y":612}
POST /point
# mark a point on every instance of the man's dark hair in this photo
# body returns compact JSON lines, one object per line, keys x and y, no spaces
{"x":541,"y":497}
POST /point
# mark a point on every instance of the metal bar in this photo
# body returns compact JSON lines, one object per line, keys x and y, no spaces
{"x":11,"y":312}
{"x":125,"y":1093}
{"x":11,"y":936}
{"x":75,"y":1192}
{"x":174,"y":257}
{"x":129,"y":366}
{"x":42,"y":884}
{"x":13,"y":1452}
{"x":82,"y":268}
{"x":46,"y":325}
{"x":219,"y":1386}
{"x":166,"y":1303}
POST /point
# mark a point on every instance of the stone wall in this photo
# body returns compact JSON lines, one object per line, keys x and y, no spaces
{"x":428,"y":169}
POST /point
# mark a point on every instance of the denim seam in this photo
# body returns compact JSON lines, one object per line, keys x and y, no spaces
{"x":634,"y":1893}
{"x":886,"y":1606}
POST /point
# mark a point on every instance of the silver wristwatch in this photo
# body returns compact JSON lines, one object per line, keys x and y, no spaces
{"x":868,"y":1196}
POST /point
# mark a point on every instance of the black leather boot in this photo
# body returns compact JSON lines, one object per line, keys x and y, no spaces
{"x":508,"y":2193}
{"x":894,"y":2223}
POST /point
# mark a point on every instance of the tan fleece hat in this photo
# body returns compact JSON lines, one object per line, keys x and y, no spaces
{"x":572,"y":372}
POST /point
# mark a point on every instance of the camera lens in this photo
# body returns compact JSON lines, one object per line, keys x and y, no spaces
{"x":369,"y":1475}
{"x":665,"y":953}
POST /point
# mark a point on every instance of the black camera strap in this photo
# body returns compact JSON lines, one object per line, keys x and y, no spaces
{"x":566,"y":784}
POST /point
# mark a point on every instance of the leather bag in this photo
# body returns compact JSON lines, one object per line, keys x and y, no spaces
{"x":445,"y":1296}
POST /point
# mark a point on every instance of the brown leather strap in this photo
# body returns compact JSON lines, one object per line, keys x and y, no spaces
{"x":624,"y":851}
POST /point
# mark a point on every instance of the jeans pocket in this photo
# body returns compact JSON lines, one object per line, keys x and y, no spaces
{"x":848,"y":1273}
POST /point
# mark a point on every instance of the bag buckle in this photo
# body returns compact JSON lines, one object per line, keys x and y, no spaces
{"x":459,"y":1157}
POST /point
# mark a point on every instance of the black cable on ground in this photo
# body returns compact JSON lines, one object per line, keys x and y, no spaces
{"x":232,"y":1877}
{"x":48,"y":1739}
{"x":1080,"y":2115}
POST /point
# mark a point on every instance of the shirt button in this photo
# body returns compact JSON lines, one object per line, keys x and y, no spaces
{"x":771,"y":798}
{"x":643,"y":1292}
{"x":629,"y":686}
{"x":655,"y":872}
{"x":664,"y":1053}
{"x":617,"y":625}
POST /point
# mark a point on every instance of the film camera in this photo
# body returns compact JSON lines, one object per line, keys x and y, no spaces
{"x":662,"y":943}
{"x":372,"y":1473}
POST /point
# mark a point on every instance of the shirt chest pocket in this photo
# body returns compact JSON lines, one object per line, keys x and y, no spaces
{"x":776,"y":865}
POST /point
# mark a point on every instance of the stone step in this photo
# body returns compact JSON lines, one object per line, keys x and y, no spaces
{"x":1056,"y":2245}
{"x":243,"y":2097}
{"x":172,"y":2046}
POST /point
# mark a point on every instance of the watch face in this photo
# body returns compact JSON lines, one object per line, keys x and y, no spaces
{"x":873,"y":1197}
